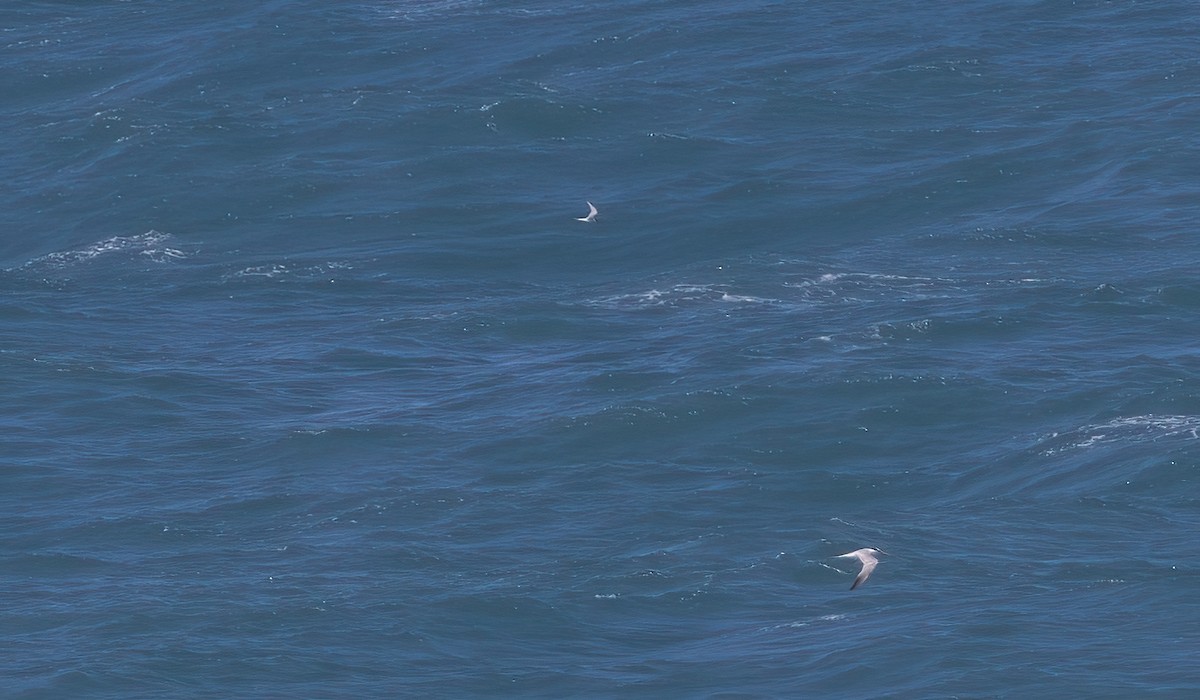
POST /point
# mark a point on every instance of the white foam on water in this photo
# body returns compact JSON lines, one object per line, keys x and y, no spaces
{"x":678,"y":295}
{"x":421,"y":9}
{"x":1133,"y":429}
{"x":262,"y":271}
{"x":320,"y":271}
{"x":149,"y":245}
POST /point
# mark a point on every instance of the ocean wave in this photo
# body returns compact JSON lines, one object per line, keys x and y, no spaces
{"x":150,"y":245}
{"x":867,"y":286}
{"x":678,"y":295}
{"x":319,"y":271}
{"x":422,"y":9}
{"x":1134,"y":429}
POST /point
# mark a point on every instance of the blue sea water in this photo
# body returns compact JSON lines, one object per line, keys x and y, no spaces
{"x":314,"y":387}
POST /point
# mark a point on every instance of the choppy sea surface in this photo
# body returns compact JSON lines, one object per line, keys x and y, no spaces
{"x":314,"y":387}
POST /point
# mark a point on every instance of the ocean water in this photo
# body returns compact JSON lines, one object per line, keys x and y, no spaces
{"x":313,"y":386}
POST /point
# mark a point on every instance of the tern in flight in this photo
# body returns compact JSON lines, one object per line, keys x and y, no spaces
{"x":591,"y":217}
{"x":869,"y":558}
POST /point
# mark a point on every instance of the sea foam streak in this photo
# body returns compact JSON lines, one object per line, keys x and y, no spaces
{"x":1131,"y":429}
{"x":149,"y":244}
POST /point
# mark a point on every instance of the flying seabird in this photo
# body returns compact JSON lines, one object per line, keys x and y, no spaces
{"x":591,"y":217}
{"x":868,"y":557}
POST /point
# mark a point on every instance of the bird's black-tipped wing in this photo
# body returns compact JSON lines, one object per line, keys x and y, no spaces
{"x":868,"y":567}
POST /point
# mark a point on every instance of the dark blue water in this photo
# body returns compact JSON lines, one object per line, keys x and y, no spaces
{"x":314,"y":387}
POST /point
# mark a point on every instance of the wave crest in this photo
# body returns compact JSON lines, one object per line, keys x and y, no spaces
{"x":1147,"y":428}
{"x":151,"y":245}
